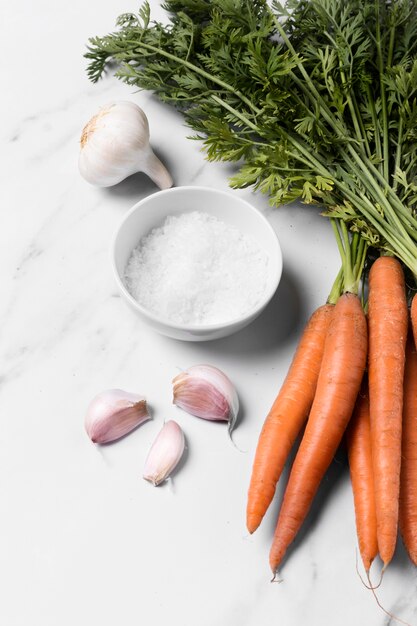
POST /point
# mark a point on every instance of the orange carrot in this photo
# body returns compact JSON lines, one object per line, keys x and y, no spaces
{"x":358,"y":438}
{"x":414,"y":317}
{"x":287,"y":416}
{"x":408,"y":487}
{"x":339,"y":381}
{"x":388,"y":322}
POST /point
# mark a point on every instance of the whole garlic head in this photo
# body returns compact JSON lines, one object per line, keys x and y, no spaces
{"x":115,"y":144}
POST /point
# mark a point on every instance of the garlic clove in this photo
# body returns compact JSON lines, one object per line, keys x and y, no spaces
{"x":114,"y":413}
{"x":205,"y":391}
{"x":165,"y":453}
{"x":115,"y":145}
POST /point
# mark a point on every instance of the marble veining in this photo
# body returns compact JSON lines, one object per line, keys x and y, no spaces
{"x":84,"y":540}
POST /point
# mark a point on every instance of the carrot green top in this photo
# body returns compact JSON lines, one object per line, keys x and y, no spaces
{"x":314,"y":100}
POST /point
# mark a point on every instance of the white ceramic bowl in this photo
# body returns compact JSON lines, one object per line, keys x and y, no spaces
{"x":152,"y":211}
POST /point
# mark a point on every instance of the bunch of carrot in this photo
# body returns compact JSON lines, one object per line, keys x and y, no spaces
{"x":315,"y":100}
{"x":353,"y":373}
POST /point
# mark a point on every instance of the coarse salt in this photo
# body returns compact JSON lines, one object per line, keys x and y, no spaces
{"x":196,"y":269}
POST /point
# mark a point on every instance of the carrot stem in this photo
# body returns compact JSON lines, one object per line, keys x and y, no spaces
{"x":337,"y":288}
{"x":348,"y":251}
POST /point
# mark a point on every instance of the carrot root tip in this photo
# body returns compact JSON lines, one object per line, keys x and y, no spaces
{"x":370,"y":586}
{"x":276,"y":579}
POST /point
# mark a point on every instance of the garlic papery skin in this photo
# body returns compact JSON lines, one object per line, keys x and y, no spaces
{"x":165,"y":453}
{"x":115,"y":145}
{"x":114,"y":413}
{"x":205,"y":391}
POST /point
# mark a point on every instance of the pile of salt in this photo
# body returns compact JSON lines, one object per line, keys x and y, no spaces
{"x":196,"y":269}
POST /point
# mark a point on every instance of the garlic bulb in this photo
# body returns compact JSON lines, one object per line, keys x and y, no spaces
{"x":165,"y":453}
{"x":115,"y":144}
{"x":205,"y":391}
{"x":114,"y":413}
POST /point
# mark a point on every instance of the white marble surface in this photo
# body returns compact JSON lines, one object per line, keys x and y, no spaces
{"x":84,"y":540}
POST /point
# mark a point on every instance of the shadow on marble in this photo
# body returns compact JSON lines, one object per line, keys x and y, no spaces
{"x":337,"y":472}
{"x":137,"y":186}
{"x":277,"y":325}
{"x":133,"y":188}
{"x":404,"y":607}
{"x":241,"y":414}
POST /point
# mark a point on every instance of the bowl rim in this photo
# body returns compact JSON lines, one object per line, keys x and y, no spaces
{"x":197,"y":328}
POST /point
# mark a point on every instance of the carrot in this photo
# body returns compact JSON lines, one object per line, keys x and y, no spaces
{"x":358,"y":437}
{"x":287,"y":416}
{"x":339,"y":381}
{"x":408,"y":481}
{"x":388,"y":322}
